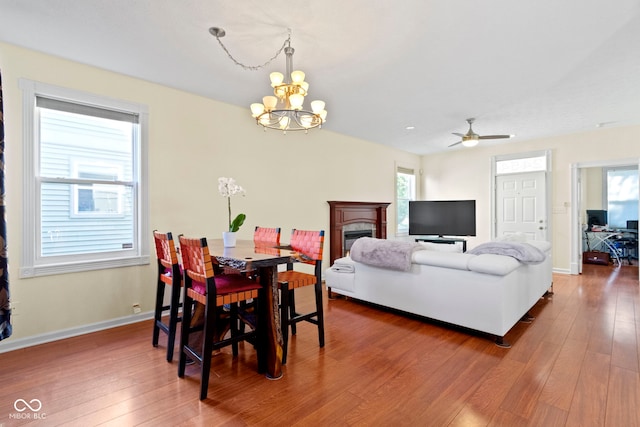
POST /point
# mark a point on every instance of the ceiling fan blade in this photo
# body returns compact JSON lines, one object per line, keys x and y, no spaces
{"x":458,"y":134}
{"x":456,"y":143}
{"x":494,"y":136}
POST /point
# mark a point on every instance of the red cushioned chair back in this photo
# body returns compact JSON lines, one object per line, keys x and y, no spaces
{"x":263,"y":236}
{"x":165,"y":249}
{"x":196,"y":260}
{"x":308,"y":243}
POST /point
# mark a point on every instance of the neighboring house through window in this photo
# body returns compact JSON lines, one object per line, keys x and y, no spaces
{"x":405,"y":191}
{"x":85,"y":182}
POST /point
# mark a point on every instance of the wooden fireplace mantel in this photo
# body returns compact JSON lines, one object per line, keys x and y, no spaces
{"x":343,"y":213}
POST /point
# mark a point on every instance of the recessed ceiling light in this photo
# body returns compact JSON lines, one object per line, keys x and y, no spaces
{"x":410,"y":127}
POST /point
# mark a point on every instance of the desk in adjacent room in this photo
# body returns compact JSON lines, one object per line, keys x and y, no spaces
{"x":610,"y":241}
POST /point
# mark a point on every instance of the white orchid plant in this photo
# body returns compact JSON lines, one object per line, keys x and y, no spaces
{"x":227,"y":188}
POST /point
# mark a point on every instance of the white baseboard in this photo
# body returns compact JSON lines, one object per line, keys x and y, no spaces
{"x":561,"y":270}
{"x":10,"y":344}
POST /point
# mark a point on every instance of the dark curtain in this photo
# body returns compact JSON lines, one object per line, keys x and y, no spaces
{"x":5,"y":308}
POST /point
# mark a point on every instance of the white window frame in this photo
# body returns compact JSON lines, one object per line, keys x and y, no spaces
{"x":33,"y":265}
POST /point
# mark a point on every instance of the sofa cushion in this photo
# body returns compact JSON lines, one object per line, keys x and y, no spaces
{"x":498,"y":265}
{"x":457,"y":261}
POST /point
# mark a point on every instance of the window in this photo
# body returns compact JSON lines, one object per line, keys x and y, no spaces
{"x":85,"y":198}
{"x":621,"y":195}
{"x":405,"y":191}
{"x":96,"y":199}
{"x":533,"y":163}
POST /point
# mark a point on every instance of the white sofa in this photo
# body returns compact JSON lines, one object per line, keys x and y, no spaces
{"x":487,"y":292}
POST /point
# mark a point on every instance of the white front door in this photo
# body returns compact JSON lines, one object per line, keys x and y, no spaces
{"x":521,"y":205}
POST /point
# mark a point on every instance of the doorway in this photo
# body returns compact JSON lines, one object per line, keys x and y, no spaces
{"x":520,"y":193}
{"x":521,"y":205}
{"x":581,"y":186}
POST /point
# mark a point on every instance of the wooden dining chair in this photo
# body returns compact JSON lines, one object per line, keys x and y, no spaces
{"x":213,"y":292}
{"x":264,"y":239}
{"x":168,"y":275}
{"x":308,"y":245}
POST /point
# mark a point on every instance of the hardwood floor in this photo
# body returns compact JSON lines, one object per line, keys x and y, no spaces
{"x":576,"y":364}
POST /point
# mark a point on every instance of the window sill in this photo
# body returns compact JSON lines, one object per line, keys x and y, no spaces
{"x":48,"y":270}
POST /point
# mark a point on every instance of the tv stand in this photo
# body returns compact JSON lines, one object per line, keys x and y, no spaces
{"x":444,"y":240}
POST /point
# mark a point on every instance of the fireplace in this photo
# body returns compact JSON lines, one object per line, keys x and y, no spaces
{"x":351,"y":220}
{"x":350,"y":236}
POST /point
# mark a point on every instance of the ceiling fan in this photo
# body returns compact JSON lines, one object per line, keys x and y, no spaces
{"x":471,"y":138}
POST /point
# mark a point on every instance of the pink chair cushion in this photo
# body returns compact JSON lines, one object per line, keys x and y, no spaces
{"x":227,"y":284}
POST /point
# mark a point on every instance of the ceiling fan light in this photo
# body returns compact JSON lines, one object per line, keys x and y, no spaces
{"x":471,"y":142}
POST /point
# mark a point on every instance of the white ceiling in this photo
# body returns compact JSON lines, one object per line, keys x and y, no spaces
{"x":530,"y":68}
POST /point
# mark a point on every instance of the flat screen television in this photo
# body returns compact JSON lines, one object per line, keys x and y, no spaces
{"x":596,"y":217}
{"x":442,"y":217}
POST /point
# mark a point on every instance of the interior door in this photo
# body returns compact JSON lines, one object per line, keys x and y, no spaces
{"x":521,"y":205}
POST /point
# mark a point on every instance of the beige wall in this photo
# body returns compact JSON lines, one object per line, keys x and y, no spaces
{"x":593,"y":189}
{"x":466,"y":173}
{"x":193,"y":141}
{"x":288,"y":178}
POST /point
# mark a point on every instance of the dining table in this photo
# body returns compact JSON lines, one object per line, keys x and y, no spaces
{"x":247,"y":256}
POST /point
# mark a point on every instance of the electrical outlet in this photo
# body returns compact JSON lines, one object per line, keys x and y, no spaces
{"x":136,"y":308}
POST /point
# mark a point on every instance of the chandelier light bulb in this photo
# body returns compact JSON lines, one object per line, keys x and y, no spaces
{"x":276,"y":78}
{"x":257,"y":109}
{"x":270,"y":102}
{"x":264,"y":120}
{"x":306,"y":121}
{"x":317,"y":106}
{"x":296,"y":101}
{"x":305,"y":87}
{"x":323,"y":115}
{"x":297,"y":77}
{"x":284,"y":122}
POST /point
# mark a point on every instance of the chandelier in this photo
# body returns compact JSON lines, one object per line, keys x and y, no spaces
{"x":284,"y":110}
